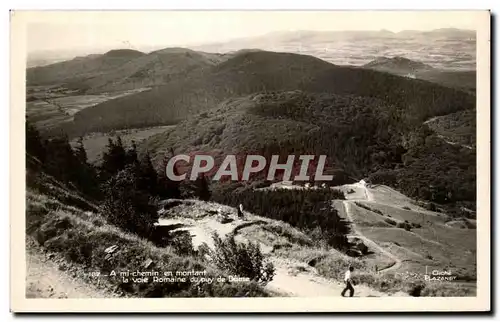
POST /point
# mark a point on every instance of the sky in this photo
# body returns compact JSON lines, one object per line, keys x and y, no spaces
{"x":52,"y":31}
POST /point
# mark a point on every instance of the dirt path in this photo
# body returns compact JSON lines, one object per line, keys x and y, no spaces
{"x":442,"y":137}
{"x":368,"y":196}
{"x":368,"y":242}
{"x":293,"y":278}
{"x":45,"y":279}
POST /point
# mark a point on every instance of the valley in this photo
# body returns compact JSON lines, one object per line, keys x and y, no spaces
{"x":50,"y":107}
{"x":398,"y":133}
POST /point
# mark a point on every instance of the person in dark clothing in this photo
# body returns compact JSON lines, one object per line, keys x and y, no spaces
{"x":348,"y":282}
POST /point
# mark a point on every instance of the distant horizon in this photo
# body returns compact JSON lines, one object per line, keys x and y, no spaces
{"x":85,"y":51}
{"x":84,"y":31}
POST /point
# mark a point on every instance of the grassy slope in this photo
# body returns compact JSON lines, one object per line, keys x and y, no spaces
{"x":289,"y":246}
{"x":49,"y":275}
{"x":433,"y":245}
{"x":64,"y":223}
{"x":60,"y":225}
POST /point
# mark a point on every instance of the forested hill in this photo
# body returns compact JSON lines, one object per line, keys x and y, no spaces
{"x":362,"y":137}
{"x":460,"y":79}
{"x":121,"y":69}
{"x":251,"y":72}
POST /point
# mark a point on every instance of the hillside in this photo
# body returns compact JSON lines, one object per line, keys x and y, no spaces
{"x":121,"y":69}
{"x":251,"y":72}
{"x":155,"y":68}
{"x":80,"y":68}
{"x":77,"y":246}
{"x":67,"y":242}
{"x":417,"y":239}
{"x":458,"y":128}
{"x":122,"y":217}
{"x":464,"y":80}
{"x":365,"y":137}
{"x":303,"y":268}
{"x":403,"y":237}
{"x":68,"y":237}
{"x":397,"y":64}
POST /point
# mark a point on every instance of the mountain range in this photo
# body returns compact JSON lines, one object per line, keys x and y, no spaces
{"x":203,"y":83}
{"x":372,"y":116}
{"x":445,"y":48}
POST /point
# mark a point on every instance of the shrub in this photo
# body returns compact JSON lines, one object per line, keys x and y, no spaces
{"x":334,"y":266}
{"x":288,"y":232}
{"x":387,"y":177}
{"x":183,"y":243}
{"x":415,"y":289}
{"x":52,"y":228}
{"x":390,"y":221}
{"x":447,"y":289}
{"x":128,"y":207}
{"x":244,"y":260}
{"x":431,"y":206}
{"x":359,"y":204}
{"x":81,"y":243}
{"x":406,"y":226}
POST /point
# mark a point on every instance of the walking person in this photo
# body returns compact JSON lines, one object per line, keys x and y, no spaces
{"x":348,"y":282}
{"x":240,"y":211}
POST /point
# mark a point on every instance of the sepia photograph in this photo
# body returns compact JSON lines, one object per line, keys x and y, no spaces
{"x":315,"y":158}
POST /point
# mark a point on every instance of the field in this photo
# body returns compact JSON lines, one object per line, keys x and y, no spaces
{"x":420,"y":240}
{"x":49,"y":106}
{"x":95,"y":143}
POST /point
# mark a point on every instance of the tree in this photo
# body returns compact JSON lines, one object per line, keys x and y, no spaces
{"x":202,"y":188}
{"x":34,"y":143}
{"x":127,"y":206}
{"x":85,"y":174}
{"x":114,"y":159}
{"x":168,"y":188}
{"x":80,"y":152}
{"x":57,"y":158}
{"x":147,"y":176}
{"x":131,"y":154}
{"x":61,"y":161}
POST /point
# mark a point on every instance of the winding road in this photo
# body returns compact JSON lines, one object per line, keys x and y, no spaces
{"x":357,"y":234}
{"x":292,"y":277}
